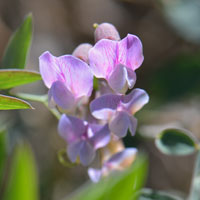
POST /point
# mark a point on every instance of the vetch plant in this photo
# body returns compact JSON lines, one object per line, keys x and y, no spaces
{"x":92,"y":122}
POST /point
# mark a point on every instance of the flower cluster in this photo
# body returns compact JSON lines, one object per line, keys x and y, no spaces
{"x":94,"y":121}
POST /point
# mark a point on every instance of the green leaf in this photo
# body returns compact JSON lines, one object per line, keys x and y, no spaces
{"x":120,"y":185}
{"x":18,"y":46}
{"x":148,"y":194}
{"x":12,"y":103}
{"x":194,"y":191}
{"x":14,"y":77}
{"x":3,"y":152}
{"x":22,"y":183}
{"x":175,"y":142}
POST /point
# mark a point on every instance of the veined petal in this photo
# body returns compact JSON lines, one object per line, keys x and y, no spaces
{"x":77,"y":75}
{"x":120,"y":124}
{"x":101,"y":138}
{"x":49,"y":68}
{"x":71,"y":128}
{"x":62,"y":96}
{"x":130,"y":52}
{"x":73,"y":150}
{"x":105,"y":106}
{"x":135,"y":100}
{"x":87,"y":153}
{"x":102,"y":58}
{"x":117,"y":79}
{"x":94,"y":174}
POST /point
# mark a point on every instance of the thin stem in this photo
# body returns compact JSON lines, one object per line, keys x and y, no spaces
{"x":40,"y":98}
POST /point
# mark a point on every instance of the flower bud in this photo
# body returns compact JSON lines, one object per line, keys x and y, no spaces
{"x":81,"y":51}
{"x":106,"y":31}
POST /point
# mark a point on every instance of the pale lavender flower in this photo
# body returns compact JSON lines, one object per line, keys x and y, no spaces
{"x":119,"y":110}
{"x":116,"y":61}
{"x":83,"y":138}
{"x":68,"y":78}
{"x":117,"y":162}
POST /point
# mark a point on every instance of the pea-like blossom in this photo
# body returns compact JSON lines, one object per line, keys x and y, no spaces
{"x":68,"y":78}
{"x":118,"y":110}
{"x":83,"y":138}
{"x":117,"y":162}
{"x":116,"y":61}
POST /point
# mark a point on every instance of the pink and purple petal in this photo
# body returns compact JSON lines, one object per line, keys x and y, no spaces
{"x":49,"y":68}
{"x":119,"y":124}
{"x":101,"y":138}
{"x":95,"y":174}
{"x":77,"y":75}
{"x":71,"y":128}
{"x":105,"y":106}
{"x":87,"y":153}
{"x":102,"y":58}
{"x":130,"y":52}
{"x":117,"y":79}
{"x":61,"y":96}
{"x":135,"y":100}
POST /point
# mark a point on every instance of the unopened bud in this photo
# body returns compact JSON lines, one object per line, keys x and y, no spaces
{"x":106,"y":31}
{"x":81,"y":51}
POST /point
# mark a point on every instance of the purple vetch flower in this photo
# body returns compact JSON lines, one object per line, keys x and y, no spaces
{"x":117,"y":162}
{"x":83,"y":138}
{"x":116,"y":61}
{"x":119,"y":110}
{"x":68,"y":78}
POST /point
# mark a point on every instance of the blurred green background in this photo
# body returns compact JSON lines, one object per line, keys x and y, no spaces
{"x":170,"y":33}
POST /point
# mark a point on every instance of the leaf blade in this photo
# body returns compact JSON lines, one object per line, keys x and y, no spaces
{"x":14,"y":77}
{"x":18,"y":46}
{"x":12,"y":103}
{"x":23,"y":179}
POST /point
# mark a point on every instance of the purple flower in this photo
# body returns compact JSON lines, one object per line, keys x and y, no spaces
{"x":116,"y":61}
{"x":83,"y":138}
{"x":119,"y":110}
{"x":118,"y":161}
{"x":68,"y":78}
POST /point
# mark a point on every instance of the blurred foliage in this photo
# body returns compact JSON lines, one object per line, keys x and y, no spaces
{"x":184,"y":17}
{"x":120,"y":185}
{"x":3,"y":152}
{"x":195,"y":191}
{"x":22,"y":183}
{"x":148,"y":194}
{"x":176,"y":142}
{"x":177,"y":78}
{"x":18,"y":47}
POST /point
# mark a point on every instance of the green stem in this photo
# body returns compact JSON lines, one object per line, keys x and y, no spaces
{"x":40,"y":98}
